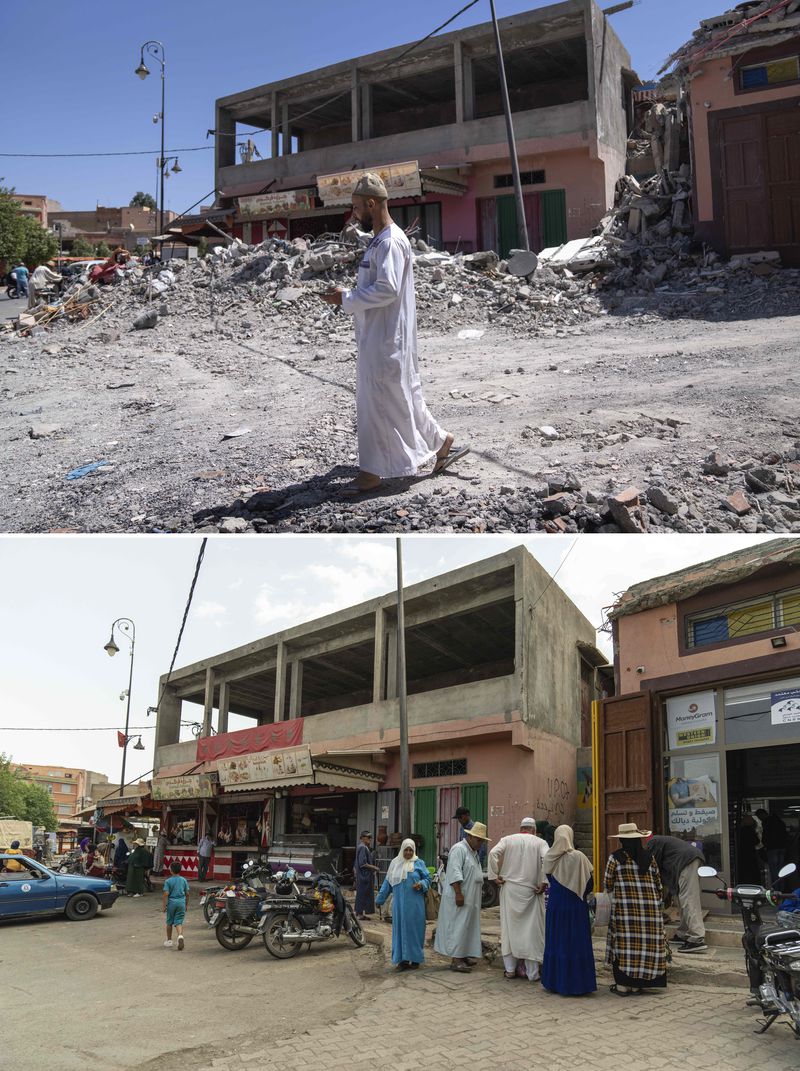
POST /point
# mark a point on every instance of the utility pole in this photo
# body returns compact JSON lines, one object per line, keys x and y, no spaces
{"x":405,"y":785}
{"x":522,"y":230}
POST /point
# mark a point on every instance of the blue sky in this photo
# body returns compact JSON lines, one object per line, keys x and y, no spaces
{"x":69,"y":78}
{"x":60,"y":595}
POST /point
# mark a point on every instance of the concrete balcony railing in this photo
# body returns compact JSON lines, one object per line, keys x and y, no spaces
{"x":477,"y":701}
{"x":454,"y":144}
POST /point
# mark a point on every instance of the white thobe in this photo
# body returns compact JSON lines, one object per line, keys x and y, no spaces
{"x":458,"y":930}
{"x":519,"y":861}
{"x":41,"y":277}
{"x":396,"y":432}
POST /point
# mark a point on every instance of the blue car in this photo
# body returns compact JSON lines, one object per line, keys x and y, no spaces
{"x":29,"y":888}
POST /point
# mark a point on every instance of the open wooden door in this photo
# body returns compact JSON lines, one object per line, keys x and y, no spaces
{"x":623,"y":768}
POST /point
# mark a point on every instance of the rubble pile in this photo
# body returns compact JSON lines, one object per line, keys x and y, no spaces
{"x":757,"y":495}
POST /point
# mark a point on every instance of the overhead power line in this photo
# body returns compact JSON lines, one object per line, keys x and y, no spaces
{"x":83,"y":155}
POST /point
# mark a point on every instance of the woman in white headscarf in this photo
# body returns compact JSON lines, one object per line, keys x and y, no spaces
{"x":568,"y":966}
{"x":407,"y":880}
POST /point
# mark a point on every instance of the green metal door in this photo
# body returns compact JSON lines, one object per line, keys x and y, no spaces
{"x":506,"y":225}
{"x":476,"y":799}
{"x":425,"y":821}
{"x":554,"y":217}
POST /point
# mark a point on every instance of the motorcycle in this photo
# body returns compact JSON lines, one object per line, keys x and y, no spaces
{"x":255,"y":875}
{"x":772,"y":954}
{"x":72,"y":863}
{"x":293,"y":918}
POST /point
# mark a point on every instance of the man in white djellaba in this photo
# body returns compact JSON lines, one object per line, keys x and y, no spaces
{"x":516,"y":864}
{"x":458,"y":929}
{"x":396,"y":431}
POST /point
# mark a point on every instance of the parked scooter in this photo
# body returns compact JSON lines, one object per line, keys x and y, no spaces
{"x":772,"y":954}
{"x":255,"y":875}
{"x":293,"y":918}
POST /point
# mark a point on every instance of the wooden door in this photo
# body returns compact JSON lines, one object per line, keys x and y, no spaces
{"x":506,"y":225}
{"x":487,"y":207}
{"x":425,"y":822}
{"x":624,"y":767}
{"x":783,"y":175}
{"x":475,"y":798}
{"x":554,"y":218}
{"x":449,"y":799}
{"x":743,"y":183}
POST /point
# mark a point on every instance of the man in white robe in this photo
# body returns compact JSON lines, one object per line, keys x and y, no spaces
{"x":458,"y":929}
{"x":396,"y":432}
{"x":516,"y":864}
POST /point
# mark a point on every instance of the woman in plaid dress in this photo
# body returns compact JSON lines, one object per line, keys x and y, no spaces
{"x":636,"y":949}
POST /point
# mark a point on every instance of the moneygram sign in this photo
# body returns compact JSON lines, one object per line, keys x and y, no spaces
{"x":691,"y":720}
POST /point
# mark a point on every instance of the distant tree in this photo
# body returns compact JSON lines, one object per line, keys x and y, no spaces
{"x":102,"y":250}
{"x":40,"y":244}
{"x":82,"y":248}
{"x":37,"y":807}
{"x":12,"y":237}
{"x":11,"y":796}
{"x":143,"y":200}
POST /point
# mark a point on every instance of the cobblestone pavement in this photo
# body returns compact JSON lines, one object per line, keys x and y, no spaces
{"x":436,"y":1019}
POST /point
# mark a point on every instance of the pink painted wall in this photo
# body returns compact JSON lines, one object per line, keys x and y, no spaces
{"x":540,"y":783}
{"x":573,"y":170}
{"x":650,"y":639}
{"x":713,"y":84}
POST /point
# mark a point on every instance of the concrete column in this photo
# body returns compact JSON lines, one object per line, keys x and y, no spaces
{"x":280,"y":682}
{"x":379,"y":661}
{"x":286,"y":130}
{"x":391,"y":664}
{"x":224,"y":142}
{"x":273,"y":125}
{"x":208,"y":708}
{"x":224,"y":700}
{"x":296,"y":690}
{"x":355,"y":106}
{"x":168,"y":725}
{"x":458,"y":65}
{"x":366,"y":111}
{"x":467,"y":86}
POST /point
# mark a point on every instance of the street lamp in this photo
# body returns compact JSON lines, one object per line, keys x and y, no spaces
{"x":156,"y":50}
{"x":125,"y":627}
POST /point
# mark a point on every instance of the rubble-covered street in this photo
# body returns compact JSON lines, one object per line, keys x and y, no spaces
{"x":236,"y":410}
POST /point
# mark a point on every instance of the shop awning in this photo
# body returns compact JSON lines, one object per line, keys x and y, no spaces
{"x":447,"y":181}
{"x":331,"y":775}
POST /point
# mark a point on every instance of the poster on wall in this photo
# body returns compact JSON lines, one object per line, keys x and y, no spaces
{"x":785,"y":707}
{"x":693,"y":797}
{"x":584,"y":788}
{"x":691,"y":720}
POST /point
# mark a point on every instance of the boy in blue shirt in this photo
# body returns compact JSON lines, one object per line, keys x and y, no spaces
{"x":175,"y":903}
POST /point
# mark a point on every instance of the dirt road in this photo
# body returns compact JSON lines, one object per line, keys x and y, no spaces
{"x":94,"y":995}
{"x":634,"y":399}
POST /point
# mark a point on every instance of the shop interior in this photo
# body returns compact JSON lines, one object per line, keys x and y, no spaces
{"x":764,"y":813}
{"x":335,"y":816}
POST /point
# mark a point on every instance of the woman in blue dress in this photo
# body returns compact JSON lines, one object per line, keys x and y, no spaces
{"x":407,"y":881}
{"x":568,"y":966}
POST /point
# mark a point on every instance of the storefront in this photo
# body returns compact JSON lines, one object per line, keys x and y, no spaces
{"x":183,"y":799}
{"x":730,"y":752}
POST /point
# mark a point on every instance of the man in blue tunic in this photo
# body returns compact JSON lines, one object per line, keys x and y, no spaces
{"x":466,"y":821}
{"x":364,"y":871}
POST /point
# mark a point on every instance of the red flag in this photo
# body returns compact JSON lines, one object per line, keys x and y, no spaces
{"x":120,"y":738}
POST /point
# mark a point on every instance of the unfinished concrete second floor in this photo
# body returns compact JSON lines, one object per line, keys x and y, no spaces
{"x":496,"y":641}
{"x":439,"y":103}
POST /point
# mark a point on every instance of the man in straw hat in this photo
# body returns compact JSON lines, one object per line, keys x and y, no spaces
{"x":516,"y":864}
{"x":396,"y":432}
{"x":458,"y":931}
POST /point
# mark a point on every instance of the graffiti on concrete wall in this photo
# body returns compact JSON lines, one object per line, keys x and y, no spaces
{"x":554,"y":802}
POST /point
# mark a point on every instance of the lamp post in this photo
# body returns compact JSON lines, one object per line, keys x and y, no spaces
{"x":522,"y":230}
{"x":156,"y":50}
{"x":405,"y":785}
{"x":125,"y":627}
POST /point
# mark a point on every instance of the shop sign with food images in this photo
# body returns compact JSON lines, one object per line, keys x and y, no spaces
{"x":187,"y":787}
{"x":266,"y":766}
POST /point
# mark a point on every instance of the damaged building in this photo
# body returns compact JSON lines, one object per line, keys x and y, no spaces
{"x":501,"y":671}
{"x":740,"y":76}
{"x":430,"y":119}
